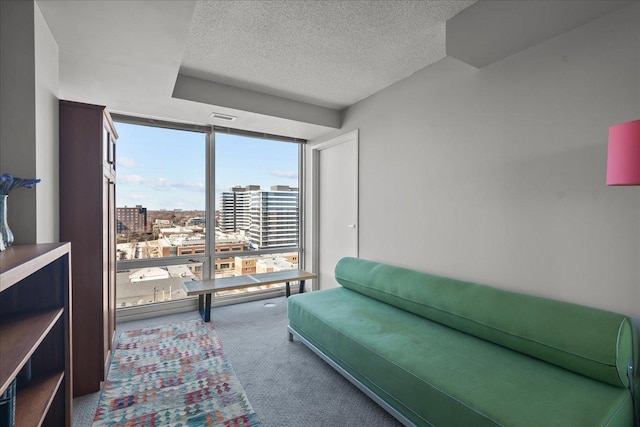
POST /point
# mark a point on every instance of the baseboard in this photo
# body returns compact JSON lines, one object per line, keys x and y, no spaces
{"x":128,"y":314}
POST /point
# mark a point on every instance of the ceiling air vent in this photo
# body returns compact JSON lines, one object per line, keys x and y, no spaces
{"x":222,"y":117}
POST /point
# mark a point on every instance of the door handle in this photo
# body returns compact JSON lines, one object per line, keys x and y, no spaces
{"x":351,"y":226}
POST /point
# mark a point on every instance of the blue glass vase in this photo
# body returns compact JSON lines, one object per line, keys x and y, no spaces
{"x":6,"y":236}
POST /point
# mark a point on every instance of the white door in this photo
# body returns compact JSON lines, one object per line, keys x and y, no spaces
{"x":336,"y":187}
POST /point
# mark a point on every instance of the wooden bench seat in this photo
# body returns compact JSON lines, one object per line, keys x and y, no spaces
{"x":205,"y":288}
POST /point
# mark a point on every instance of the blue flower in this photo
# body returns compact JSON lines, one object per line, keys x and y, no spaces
{"x":9,"y":182}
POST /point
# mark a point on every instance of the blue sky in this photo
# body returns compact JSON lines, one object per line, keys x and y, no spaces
{"x":165,"y":169}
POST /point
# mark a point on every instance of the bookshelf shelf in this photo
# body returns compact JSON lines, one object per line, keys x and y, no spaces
{"x":21,"y":336}
{"x":34,"y":402}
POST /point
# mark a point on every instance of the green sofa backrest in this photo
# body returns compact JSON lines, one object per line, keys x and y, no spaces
{"x":585,"y":340}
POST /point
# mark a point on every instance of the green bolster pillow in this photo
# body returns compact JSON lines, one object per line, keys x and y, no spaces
{"x":589,"y":341}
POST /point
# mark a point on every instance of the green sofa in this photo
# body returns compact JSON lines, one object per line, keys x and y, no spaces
{"x":435,"y":351}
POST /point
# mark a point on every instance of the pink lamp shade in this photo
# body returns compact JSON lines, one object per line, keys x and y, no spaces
{"x":623,"y":159}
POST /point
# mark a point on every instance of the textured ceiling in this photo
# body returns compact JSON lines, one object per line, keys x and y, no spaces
{"x":268,"y":62}
{"x":327,"y":53}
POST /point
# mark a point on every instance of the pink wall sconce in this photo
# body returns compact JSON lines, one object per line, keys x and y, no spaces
{"x":623,"y":158}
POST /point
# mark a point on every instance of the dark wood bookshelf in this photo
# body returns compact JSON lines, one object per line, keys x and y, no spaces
{"x":35,"y":332}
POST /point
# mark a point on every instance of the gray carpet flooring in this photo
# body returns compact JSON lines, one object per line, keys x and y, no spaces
{"x":286,"y":383}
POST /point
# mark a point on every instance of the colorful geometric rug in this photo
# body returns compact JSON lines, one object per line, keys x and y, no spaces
{"x":173,"y":375}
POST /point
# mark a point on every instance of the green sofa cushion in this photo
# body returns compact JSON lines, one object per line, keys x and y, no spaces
{"x":588,"y":341}
{"x":436,"y":375}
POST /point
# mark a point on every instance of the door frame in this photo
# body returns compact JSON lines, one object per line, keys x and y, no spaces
{"x":315,"y":191}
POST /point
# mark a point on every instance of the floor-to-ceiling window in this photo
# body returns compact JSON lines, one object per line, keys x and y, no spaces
{"x":161,"y":208}
{"x":257,"y":206}
{"x":195,"y":202}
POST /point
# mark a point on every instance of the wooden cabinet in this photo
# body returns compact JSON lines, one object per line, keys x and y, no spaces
{"x":87,"y":220}
{"x":35,"y":332}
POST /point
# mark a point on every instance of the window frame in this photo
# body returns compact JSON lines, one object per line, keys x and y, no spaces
{"x":208,"y":259}
{"x":301,"y":155}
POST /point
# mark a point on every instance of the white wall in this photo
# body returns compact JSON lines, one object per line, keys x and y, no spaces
{"x":17,"y":112}
{"x":497,"y":175}
{"x":29,"y":119}
{"x":46,"y":97}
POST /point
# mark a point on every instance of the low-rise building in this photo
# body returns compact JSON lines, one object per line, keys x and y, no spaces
{"x":245,"y":265}
{"x":178,"y":244}
{"x":150,"y":285}
{"x":270,"y":265}
{"x":131,"y":219}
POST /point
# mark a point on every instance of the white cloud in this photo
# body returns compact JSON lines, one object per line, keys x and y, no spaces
{"x":130,"y":179}
{"x":170,"y":185}
{"x":127,"y":162}
{"x":285,"y":174}
{"x":161,"y":184}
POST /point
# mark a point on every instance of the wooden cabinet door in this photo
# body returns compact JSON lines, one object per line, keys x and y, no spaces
{"x":106,"y":345}
{"x":112,"y":263}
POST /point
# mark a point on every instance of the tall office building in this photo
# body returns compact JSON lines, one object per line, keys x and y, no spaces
{"x":234,"y":209}
{"x":274,"y":217}
{"x":269,"y":216}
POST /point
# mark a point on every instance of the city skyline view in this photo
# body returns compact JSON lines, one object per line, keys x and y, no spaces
{"x":164,"y":169}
